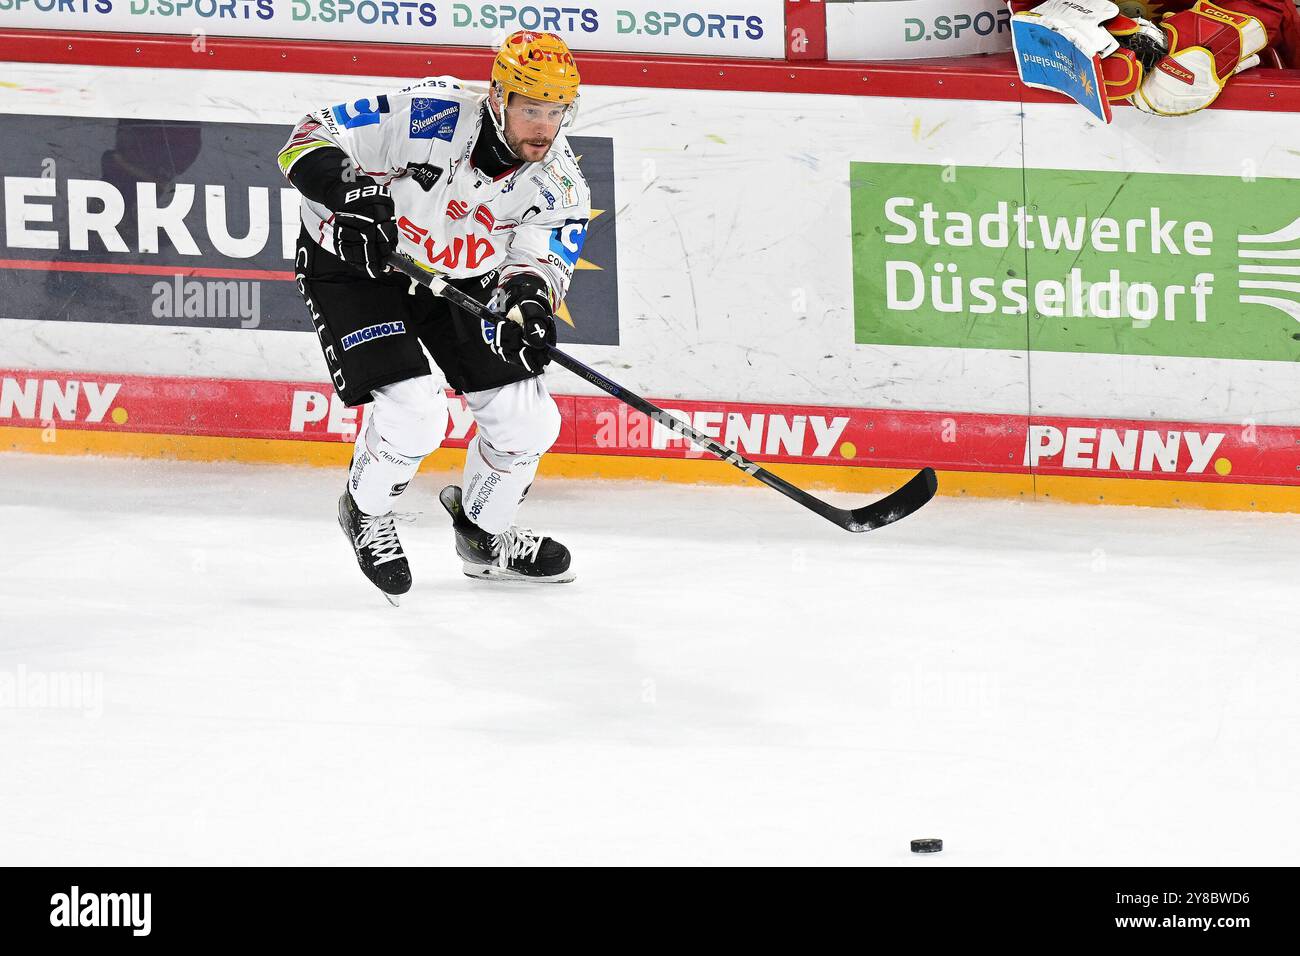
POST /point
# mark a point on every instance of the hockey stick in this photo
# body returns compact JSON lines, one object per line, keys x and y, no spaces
{"x":919,"y":489}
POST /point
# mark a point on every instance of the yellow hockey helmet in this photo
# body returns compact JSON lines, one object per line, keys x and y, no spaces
{"x":540,"y":66}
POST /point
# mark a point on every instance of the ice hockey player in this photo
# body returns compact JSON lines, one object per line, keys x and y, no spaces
{"x":1180,"y":65}
{"x":480,"y":185}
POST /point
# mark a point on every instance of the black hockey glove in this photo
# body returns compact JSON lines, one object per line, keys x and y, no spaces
{"x":521,"y":335}
{"x":365,"y":225}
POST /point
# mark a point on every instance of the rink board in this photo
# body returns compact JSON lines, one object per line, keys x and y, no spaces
{"x":746,"y":246}
{"x":1137,"y":462}
{"x":640,"y":26}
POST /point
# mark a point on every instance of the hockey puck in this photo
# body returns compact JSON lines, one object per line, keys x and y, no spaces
{"x":927,"y":846}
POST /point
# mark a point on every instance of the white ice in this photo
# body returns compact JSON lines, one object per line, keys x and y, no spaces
{"x":730,"y":680}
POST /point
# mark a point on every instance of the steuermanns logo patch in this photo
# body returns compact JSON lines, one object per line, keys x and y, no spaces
{"x":434,"y":119}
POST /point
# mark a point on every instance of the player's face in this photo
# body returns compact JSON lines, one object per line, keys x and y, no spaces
{"x":531,"y":126}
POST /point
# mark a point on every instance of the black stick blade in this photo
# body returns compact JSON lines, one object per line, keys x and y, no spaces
{"x":897,"y":504}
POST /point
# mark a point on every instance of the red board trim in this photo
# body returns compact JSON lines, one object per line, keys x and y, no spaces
{"x":603,"y":426}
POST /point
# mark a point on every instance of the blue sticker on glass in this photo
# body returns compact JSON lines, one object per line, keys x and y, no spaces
{"x":433,"y":119}
{"x":360,"y":113}
{"x":567,"y":240}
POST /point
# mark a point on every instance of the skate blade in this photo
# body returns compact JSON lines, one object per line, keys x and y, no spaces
{"x":501,"y":574}
{"x":394,"y":599}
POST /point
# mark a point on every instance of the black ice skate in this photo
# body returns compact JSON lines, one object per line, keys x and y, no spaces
{"x":379,"y":553}
{"x":515,"y":554}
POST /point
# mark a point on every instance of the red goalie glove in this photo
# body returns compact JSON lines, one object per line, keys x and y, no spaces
{"x":1207,"y":44}
{"x":1278,"y":17}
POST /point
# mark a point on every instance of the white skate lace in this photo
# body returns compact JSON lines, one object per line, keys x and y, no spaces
{"x":516,"y":543}
{"x":379,"y":534}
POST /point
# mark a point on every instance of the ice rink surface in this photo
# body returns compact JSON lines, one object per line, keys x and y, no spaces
{"x":730,"y":680}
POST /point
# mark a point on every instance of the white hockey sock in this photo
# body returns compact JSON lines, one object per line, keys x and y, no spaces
{"x":379,"y":473}
{"x":406,"y":424}
{"x":494,"y":485}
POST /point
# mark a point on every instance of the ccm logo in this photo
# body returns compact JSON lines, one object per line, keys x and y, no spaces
{"x":364,"y":192}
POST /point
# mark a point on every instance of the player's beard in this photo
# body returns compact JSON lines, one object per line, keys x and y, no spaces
{"x":530,"y":149}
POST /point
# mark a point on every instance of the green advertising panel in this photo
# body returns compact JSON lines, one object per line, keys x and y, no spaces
{"x":1076,"y":261}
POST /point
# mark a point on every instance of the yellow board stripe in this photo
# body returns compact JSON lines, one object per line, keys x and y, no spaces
{"x":706,"y":470}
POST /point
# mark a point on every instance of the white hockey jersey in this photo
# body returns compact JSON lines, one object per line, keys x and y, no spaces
{"x":453,"y":219}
